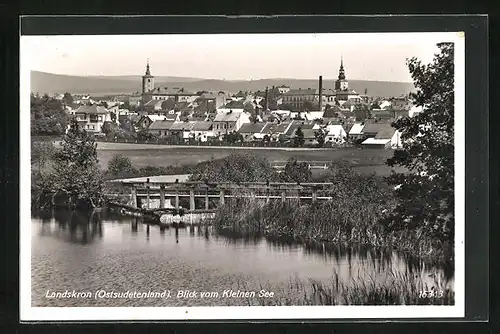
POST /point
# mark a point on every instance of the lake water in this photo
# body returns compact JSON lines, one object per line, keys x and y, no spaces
{"x":116,"y":254}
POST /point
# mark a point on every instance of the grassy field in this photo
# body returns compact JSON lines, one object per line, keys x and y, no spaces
{"x":364,"y":160}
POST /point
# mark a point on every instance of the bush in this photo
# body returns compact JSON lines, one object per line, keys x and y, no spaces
{"x":296,"y":172}
{"x":120,"y":164}
{"x":236,"y":168}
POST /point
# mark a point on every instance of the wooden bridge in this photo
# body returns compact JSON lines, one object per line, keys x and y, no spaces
{"x":152,"y":196}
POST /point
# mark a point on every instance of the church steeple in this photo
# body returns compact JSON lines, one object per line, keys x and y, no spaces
{"x":341,"y":84}
{"x":148,"y":81}
{"x":147,"y":68}
{"x":341,"y":70}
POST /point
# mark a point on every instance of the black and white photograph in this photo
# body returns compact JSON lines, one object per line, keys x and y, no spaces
{"x":217,"y":176}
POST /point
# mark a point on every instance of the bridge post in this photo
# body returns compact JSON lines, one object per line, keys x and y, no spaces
{"x":134,"y":197}
{"x":176,"y":198}
{"x":147,"y":197}
{"x":162,"y":196}
{"x":221,"y":194}
{"x":314,"y":195}
{"x":191,"y":200}
{"x":207,"y":204}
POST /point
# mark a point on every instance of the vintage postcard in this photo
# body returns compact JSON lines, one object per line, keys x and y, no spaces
{"x":242,"y":176}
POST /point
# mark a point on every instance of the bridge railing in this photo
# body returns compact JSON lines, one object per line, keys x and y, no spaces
{"x":144,"y":193}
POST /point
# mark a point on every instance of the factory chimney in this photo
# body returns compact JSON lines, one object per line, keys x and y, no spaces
{"x":267,"y":103}
{"x":320,"y":93}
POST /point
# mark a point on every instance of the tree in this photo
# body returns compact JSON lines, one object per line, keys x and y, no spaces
{"x":320,"y":135}
{"x":362,"y":112}
{"x":47,"y":116}
{"x":168,"y":104}
{"x":296,"y":172}
{"x":249,"y":108}
{"x":233,"y":137}
{"x":76,"y":173}
{"x":426,"y":194}
{"x":126,"y":105}
{"x":67,"y":99}
{"x":120,"y":164}
{"x":298,"y":139}
{"x":41,"y":153}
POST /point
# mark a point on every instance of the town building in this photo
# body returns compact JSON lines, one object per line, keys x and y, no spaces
{"x":335,"y":134}
{"x":182,"y":130}
{"x":251,"y":131}
{"x":276,"y":131}
{"x":160,"y":128}
{"x":296,"y":99}
{"x":356,"y":132}
{"x":229,"y":120}
{"x":91,"y":118}
{"x":202,"y":131}
{"x":386,"y":137}
{"x":146,"y":120}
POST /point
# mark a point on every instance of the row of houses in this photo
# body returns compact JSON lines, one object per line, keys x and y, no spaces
{"x":226,"y":122}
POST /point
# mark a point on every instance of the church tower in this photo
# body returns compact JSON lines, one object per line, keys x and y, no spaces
{"x":341,"y":83}
{"x":148,"y":81}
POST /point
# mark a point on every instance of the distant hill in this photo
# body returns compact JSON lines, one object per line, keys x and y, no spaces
{"x":42,"y":82}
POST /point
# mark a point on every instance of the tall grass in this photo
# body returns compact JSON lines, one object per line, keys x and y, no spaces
{"x":343,"y":221}
{"x":394,"y":289}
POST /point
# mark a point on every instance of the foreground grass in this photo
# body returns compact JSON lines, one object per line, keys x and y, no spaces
{"x":394,"y":289}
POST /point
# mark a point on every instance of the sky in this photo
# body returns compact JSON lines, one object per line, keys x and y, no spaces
{"x":379,"y":57}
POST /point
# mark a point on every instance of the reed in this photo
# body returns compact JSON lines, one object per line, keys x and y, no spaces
{"x":342,"y":221}
{"x":394,"y":289}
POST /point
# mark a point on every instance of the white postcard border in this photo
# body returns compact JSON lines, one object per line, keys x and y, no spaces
{"x":29,"y":313}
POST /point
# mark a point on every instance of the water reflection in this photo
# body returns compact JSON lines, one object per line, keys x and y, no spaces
{"x":72,"y":226}
{"x":99,"y":249}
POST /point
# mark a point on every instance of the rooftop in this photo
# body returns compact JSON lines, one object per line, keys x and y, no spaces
{"x":386,"y":133}
{"x":307,"y":91}
{"x":252,"y":127}
{"x":357,"y":129}
{"x":228,"y":115}
{"x":93,"y":109}
{"x":375,"y":128}
{"x":202,"y":126}
{"x":182,"y":126}
{"x":161,"y":125}
{"x":170,"y":91}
